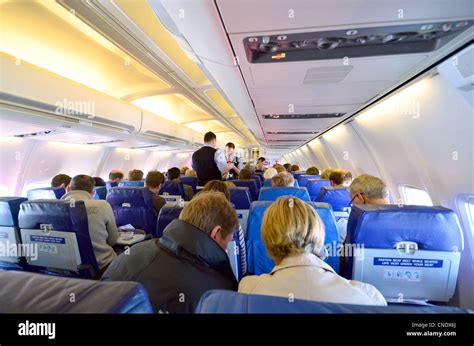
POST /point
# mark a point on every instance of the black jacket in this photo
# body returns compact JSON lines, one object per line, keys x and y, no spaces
{"x":175,"y":269}
{"x":205,"y":165}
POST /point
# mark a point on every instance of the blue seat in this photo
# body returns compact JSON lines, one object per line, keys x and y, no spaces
{"x":268,"y":183}
{"x":338,"y":197}
{"x":46,"y":193}
{"x":314,"y":187}
{"x":297,"y":175}
{"x":273,"y":193}
{"x":260,"y":176}
{"x":60,"y":232}
{"x":191,"y":181}
{"x":134,"y":206}
{"x":9,"y":231}
{"x":110,"y":185}
{"x":172,"y":188}
{"x":257,"y":180}
{"x":100,"y":192}
{"x":50,"y":295}
{"x":240,"y":197}
{"x":166,"y":215}
{"x":303,"y":179}
{"x":229,"y":302}
{"x":132,"y":183}
{"x":257,"y":258}
{"x":408,"y":251}
{"x":251,"y":184}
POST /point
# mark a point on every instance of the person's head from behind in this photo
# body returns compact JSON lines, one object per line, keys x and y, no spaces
{"x":245,"y":174}
{"x":295,"y":168}
{"x":347,"y":179}
{"x":287,"y":167}
{"x":367,"y":189}
{"x":229,"y":148}
{"x":210,"y":138}
{"x":218,"y":186}
{"x":99,"y":181}
{"x":326,"y":173}
{"x":279,"y":168}
{"x":191,"y":173}
{"x":291,"y":227}
{"x":116,"y":176}
{"x":153,"y":181}
{"x":174,"y":174}
{"x":83,"y":182}
{"x":270,"y":173}
{"x":283,"y":179}
{"x":183,"y":169}
{"x":135,"y":174}
{"x":336,"y":178}
{"x":213,"y":214}
{"x":312,"y":171}
{"x":61,"y":180}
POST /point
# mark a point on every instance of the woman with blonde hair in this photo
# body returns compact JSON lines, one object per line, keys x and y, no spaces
{"x":293,"y":234}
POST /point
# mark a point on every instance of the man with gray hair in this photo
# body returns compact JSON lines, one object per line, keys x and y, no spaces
{"x":283,"y":179}
{"x":367,"y":189}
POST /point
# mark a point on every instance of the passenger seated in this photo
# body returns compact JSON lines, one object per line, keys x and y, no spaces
{"x":115,"y":176}
{"x":135,"y":175}
{"x":221,"y":186}
{"x":102,"y":228}
{"x":191,"y":173}
{"x":99,"y":181}
{"x":270,"y":173}
{"x":365,"y":189}
{"x":295,"y":168}
{"x":153,"y":182}
{"x":326,"y":173}
{"x":283,"y":179}
{"x":61,"y":180}
{"x":293,"y":234}
{"x":174,"y":175}
{"x":279,"y":168}
{"x":245,"y":174}
{"x":188,"y":260}
{"x":287,"y":167}
{"x":340,"y":178}
{"x":259,"y":168}
{"x":312,"y":171}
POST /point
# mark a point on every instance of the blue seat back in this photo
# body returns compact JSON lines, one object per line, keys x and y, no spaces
{"x":132,"y":183}
{"x":60,"y":231}
{"x":303,"y":179}
{"x":314,"y":187}
{"x":133,"y":205}
{"x":257,"y":180}
{"x":240,"y":197}
{"x":339,"y":198}
{"x":9,"y":231}
{"x":268,"y":183}
{"x":91,"y":296}
{"x":46,"y":193}
{"x":191,"y":181}
{"x":273,"y":193}
{"x":229,"y":302}
{"x":166,"y":215}
{"x":100,"y":192}
{"x":257,"y":258}
{"x":110,"y":185}
{"x":251,"y":184}
{"x":172,"y":188}
{"x":413,"y":251}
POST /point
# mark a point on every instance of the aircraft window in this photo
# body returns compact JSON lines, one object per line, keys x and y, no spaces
{"x":414,"y":196}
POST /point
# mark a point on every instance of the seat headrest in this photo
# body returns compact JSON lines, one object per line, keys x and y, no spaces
{"x":383,"y":226}
{"x":9,"y":209}
{"x":172,"y":188}
{"x":314,"y":186}
{"x":303,"y":179}
{"x":129,"y":196}
{"x":136,"y":183}
{"x":100,"y":192}
{"x":46,"y":193}
{"x":273,"y":193}
{"x":240,"y":197}
{"x":228,"y":302}
{"x":167,"y":214}
{"x":43,"y":293}
{"x":338,"y":197}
